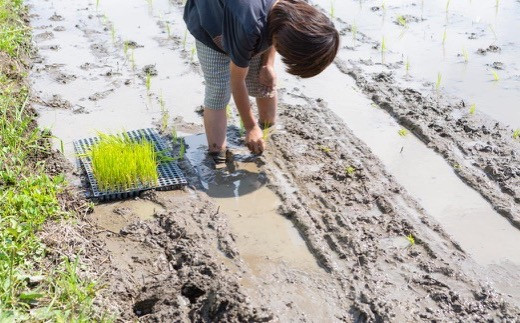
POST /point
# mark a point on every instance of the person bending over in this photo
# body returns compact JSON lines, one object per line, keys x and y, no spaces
{"x":236,"y":43}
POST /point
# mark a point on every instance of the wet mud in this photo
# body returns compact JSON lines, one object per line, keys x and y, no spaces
{"x":314,"y":230}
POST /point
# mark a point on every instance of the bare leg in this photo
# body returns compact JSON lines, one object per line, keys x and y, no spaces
{"x":215,"y":123}
{"x":267,"y":110}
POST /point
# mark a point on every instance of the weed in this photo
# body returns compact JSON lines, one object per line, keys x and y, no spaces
{"x":350,"y":170}
{"x":410,"y":239}
{"x":120,"y":163}
{"x":465,"y":55}
{"x":496,"y":78}
{"x":439,"y":81}
{"x":472,"y":108}
{"x":402,"y":132}
{"x":516,"y":134}
{"x":325,"y":149}
{"x":148,"y":82}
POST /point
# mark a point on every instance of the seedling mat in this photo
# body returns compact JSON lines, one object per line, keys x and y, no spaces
{"x":170,"y":176}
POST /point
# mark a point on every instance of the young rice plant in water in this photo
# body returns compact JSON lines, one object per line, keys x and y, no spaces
{"x":120,"y":163}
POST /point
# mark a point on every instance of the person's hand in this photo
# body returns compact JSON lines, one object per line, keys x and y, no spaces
{"x":267,"y":77}
{"x":254,"y":140}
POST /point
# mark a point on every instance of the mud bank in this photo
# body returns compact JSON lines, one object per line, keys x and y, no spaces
{"x":482,"y":152}
{"x":356,"y":218}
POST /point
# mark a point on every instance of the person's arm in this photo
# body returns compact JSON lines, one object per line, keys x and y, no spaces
{"x":254,"y":134}
{"x":267,"y":76}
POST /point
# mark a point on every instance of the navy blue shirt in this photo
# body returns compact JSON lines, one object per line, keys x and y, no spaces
{"x":237,"y":28}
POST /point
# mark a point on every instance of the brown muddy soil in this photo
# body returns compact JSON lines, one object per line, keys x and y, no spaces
{"x":191,"y":256}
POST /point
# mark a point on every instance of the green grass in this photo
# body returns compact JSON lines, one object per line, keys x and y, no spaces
{"x":120,"y":163}
{"x":29,"y":289}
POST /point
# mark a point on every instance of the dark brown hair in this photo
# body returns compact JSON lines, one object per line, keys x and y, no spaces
{"x":304,"y":37}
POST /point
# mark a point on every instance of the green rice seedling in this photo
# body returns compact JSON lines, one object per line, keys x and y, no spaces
{"x":325,"y":149}
{"x":383,"y":45}
{"x":516,"y":134}
{"x":242,"y":128}
{"x":265,"y":131}
{"x":383,"y":5}
{"x":132,"y":59}
{"x":410,"y":239}
{"x":407,"y":65}
{"x":465,"y":55}
{"x":184,"y":39}
{"x":493,"y":31}
{"x":120,"y":163}
{"x":354,"y":30}
{"x":97,"y":4}
{"x":447,"y":6}
{"x":125,"y":48}
{"x":113,"y":33}
{"x":439,"y":81}
{"x":175,"y":137}
{"x":229,"y":112}
{"x":350,"y":170}
{"x":182,"y":150}
{"x":496,"y":78}
{"x":332,"y":9}
{"x":402,"y":132}
{"x":168,"y":30}
{"x":165,"y":115}
{"x":148,"y":82}
{"x":401,"y":20}
{"x":193,"y":52}
{"x":472,"y":108}
{"x":444,"y":36}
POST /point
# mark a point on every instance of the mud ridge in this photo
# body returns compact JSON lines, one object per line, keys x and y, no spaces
{"x":356,"y":218}
{"x":481,"y":151}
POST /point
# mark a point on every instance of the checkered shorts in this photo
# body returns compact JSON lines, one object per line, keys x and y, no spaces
{"x":215,"y":67}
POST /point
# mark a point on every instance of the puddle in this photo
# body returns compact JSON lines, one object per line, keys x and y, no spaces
{"x":116,"y":215}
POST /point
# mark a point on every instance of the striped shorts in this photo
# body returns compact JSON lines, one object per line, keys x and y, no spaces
{"x":215,"y":67}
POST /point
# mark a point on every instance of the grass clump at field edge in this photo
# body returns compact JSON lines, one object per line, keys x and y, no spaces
{"x":29,"y":289}
{"x":120,"y":163}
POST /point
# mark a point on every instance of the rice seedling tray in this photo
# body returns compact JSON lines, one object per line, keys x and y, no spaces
{"x":169,"y":175}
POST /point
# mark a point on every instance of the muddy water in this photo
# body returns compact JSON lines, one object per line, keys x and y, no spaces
{"x":269,"y":244}
{"x":469,"y":26}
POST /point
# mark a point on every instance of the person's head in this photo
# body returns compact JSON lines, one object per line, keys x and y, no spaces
{"x":304,"y":37}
